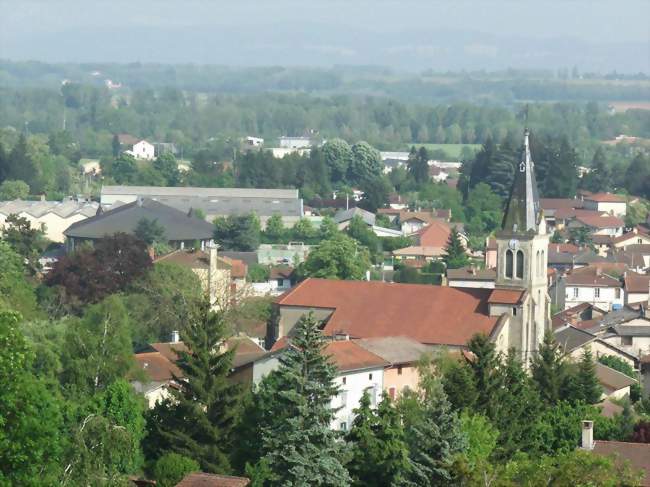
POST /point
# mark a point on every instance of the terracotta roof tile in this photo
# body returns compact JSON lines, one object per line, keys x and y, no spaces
{"x":566,"y":213}
{"x":348,"y":355}
{"x":157,"y":367}
{"x":428,"y":314}
{"x":605,"y":198}
{"x":592,"y":276}
{"x":435,"y":234}
{"x":168,"y":349}
{"x":557,"y":203}
{"x":598,"y":221}
{"x":636,"y":283}
{"x":506,"y":296}
{"x":638,"y":454}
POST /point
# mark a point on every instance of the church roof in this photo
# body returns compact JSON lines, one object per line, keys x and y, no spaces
{"x":522,"y":210}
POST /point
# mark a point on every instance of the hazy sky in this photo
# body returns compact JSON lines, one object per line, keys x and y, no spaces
{"x":450,"y":34}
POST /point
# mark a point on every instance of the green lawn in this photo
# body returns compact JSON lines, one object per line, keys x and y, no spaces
{"x":452,"y":150}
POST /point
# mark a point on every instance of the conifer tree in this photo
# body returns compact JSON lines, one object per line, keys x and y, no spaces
{"x":589,"y":389}
{"x":4,"y":164}
{"x":379,"y":450}
{"x":197,"y":421}
{"x":549,"y":371}
{"x":599,"y":177}
{"x":455,"y":254}
{"x":482,"y":163}
{"x":458,"y":382}
{"x":562,"y":178}
{"x":418,"y":165}
{"x":487,"y":379}
{"x":502,"y":169}
{"x":433,"y":434}
{"x":300,"y":448}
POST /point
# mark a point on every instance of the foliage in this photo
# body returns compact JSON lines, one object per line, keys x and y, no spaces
{"x":483,"y":210}
{"x":258,"y":273}
{"x":418,"y":164}
{"x":481,"y":438}
{"x":549,"y":370}
{"x":238,"y":232}
{"x":167,"y":166}
{"x":90,"y":274}
{"x":455,"y":254}
{"x":339,"y":257}
{"x":375,"y":193}
{"x":170,"y":469}
{"x":622,"y":366}
{"x":365,"y":164}
{"x":378,"y":443}
{"x":24,"y":239}
{"x":588,"y":388}
{"x":13,"y":190}
{"x":338,"y":156}
{"x":15,"y":291}
{"x":298,"y":444}
{"x":197,"y":420}
{"x":149,"y":231}
{"x":637,"y":176}
{"x":274,"y":232}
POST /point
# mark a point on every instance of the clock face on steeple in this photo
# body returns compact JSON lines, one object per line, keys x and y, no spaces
{"x":512,"y":244}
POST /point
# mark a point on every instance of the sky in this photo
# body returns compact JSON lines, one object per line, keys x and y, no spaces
{"x":598,"y":35}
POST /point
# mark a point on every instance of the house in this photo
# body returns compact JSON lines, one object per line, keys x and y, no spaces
{"x":393,"y":160}
{"x":274,"y":254}
{"x":396,"y":202}
{"x":438,"y":175}
{"x":222,"y":278}
{"x":552,"y":205}
{"x":279,"y":281}
{"x":429,"y":242}
{"x":606,"y":202}
{"x":637,"y":454}
{"x":281,"y":152}
{"x":295,"y":142}
{"x":490,"y":256}
{"x":637,"y":287}
{"x":413,"y":221}
{"x":53,"y":217}
{"x":616,"y":385}
{"x":565,"y":257}
{"x":90,"y":167}
{"x":215,"y":202}
{"x":181,"y":229}
{"x":202,"y":479}
{"x":593,"y":285}
{"x":514,"y":315}
{"x":161,"y":148}
{"x":636,"y":237}
{"x":403,"y":355}
{"x":138,"y":148}
{"x":471,"y":277}
{"x":577,"y":314}
{"x":611,"y":226}
{"x":344,"y":217}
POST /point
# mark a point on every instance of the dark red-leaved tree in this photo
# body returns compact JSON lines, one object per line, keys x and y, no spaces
{"x":90,"y":274}
{"x":641,"y":432}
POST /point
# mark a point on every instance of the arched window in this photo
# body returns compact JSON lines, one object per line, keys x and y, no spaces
{"x":538,"y":264}
{"x":542,"y":263}
{"x":520,"y":264}
{"x":509,"y":266}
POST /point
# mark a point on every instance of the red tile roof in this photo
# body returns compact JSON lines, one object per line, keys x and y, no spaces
{"x":564,"y":248}
{"x":636,"y":283}
{"x":157,"y":367}
{"x":348,"y":356}
{"x":596,"y":275}
{"x":506,"y":296}
{"x":566,"y":213}
{"x":598,"y":221}
{"x":638,"y":454}
{"x":280,"y":272}
{"x":202,"y":479}
{"x":168,"y":349}
{"x":435,"y":234}
{"x":557,"y":203}
{"x":423,"y":216}
{"x":634,"y":235}
{"x":428,"y":314}
{"x":605,"y":198}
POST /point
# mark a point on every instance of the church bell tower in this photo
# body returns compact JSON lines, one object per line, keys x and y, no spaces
{"x":522,"y":247}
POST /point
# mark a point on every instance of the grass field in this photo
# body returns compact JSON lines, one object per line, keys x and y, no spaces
{"x":452,"y":150}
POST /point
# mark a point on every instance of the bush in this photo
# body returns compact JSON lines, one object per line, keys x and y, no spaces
{"x":172,"y":467}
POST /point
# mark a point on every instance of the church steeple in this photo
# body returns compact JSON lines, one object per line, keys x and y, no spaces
{"x":522,"y":210}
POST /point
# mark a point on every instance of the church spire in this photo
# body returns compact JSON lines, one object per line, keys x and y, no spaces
{"x":522,"y":208}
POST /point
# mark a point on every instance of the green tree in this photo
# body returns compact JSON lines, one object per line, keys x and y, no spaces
{"x":481,"y":438}
{"x":123,"y":170}
{"x":170,"y":469}
{"x":300,"y":448}
{"x":16,"y":293}
{"x":150,"y":231}
{"x":599,"y":177}
{"x":637,"y":176}
{"x":375,"y":193}
{"x":362,"y":233}
{"x":365,"y":163}
{"x":338,"y":156}
{"x":562,"y":177}
{"x":339,"y":257}
{"x":167,"y":166}
{"x":22,"y":165}
{"x":458,"y":382}
{"x":379,"y":449}
{"x":238,"y":232}
{"x":483,"y":210}
{"x":31,"y":420}
{"x":487,"y":379}
{"x":418,"y":165}
{"x":587,"y":384}
{"x":25,"y":240}
{"x":303,"y":231}
{"x":274,"y":232}
{"x":549,"y":370}
{"x":197,"y":421}
{"x":455,"y":255}
{"x":12,"y":189}
{"x":327,"y":228}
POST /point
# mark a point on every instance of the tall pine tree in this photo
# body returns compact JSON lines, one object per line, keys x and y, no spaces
{"x":197,"y":421}
{"x":455,"y":254}
{"x":300,"y":448}
{"x":549,"y":370}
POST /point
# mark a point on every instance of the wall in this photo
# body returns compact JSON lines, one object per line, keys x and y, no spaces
{"x":143,"y":150}
{"x":631,"y":298}
{"x":352,"y":391}
{"x":393,"y":379}
{"x":54,"y":224}
{"x":599,"y":349}
{"x":289,"y":316}
{"x":587,"y":294}
{"x":616,"y":209}
{"x":474,"y":284}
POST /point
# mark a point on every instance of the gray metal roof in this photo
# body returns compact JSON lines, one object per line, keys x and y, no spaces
{"x":345,"y":215}
{"x":177,"y":225}
{"x":571,"y":338}
{"x":37,"y":209}
{"x":396,"y":350}
{"x":216,"y":201}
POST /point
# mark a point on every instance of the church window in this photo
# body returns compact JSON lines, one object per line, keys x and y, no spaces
{"x":509,"y":259}
{"x":520,"y":264}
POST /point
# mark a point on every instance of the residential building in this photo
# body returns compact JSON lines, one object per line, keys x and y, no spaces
{"x":289,"y":254}
{"x":637,"y":236}
{"x":281,"y":152}
{"x":414,"y":221}
{"x":593,"y":285}
{"x":611,"y":226}
{"x":438,"y":175}
{"x":295,"y":142}
{"x":138,"y":148}
{"x":159,"y":366}
{"x":637,"y":287}
{"x":615,"y":384}
{"x":515,"y":314}
{"x":279,"y":281}
{"x":202,"y":479}
{"x":606,"y":202}
{"x":429,"y":242}
{"x":471,"y":277}
{"x":253,"y":141}
{"x":53,"y":217}
{"x":215,"y":202}
{"x":181,"y":229}
{"x":344,"y":217}
{"x":490,"y":256}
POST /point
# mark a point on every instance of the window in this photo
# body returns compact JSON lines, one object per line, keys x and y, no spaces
{"x":639,"y":241}
{"x":626,"y":341}
{"x":514,"y":311}
{"x":597,"y":292}
{"x":520,"y":264}
{"x":618,"y":293}
{"x":369,"y":376}
{"x":575,"y":292}
{"x":399,"y":370}
{"x":344,"y":380}
{"x":344,"y":398}
{"x":509,"y":259}
{"x":344,"y":426}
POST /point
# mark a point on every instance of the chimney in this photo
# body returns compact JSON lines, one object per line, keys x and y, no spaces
{"x":212,"y":273}
{"x":599,"y":271}
{"x":587,"y":435}
{"x":367,"y":275}
{"x":175,"y":337}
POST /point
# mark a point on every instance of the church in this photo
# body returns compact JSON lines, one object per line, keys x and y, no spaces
{"x":515,"y":314}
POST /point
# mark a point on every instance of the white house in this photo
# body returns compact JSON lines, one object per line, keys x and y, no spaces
{"x":631,"y":336}
{"x":471,"y":277}
{"x":591,"y":285}
{"x":253,"y":141}
{"x":280,"y":152}
{"x":142,"y":150}
{"x":607,"y":202}
{"x":637,"y":287}
{"x":295,"y":142}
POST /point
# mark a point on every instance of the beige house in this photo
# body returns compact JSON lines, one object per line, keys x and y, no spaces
{"x":606,"y":202}
{"x":53,"y":217}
